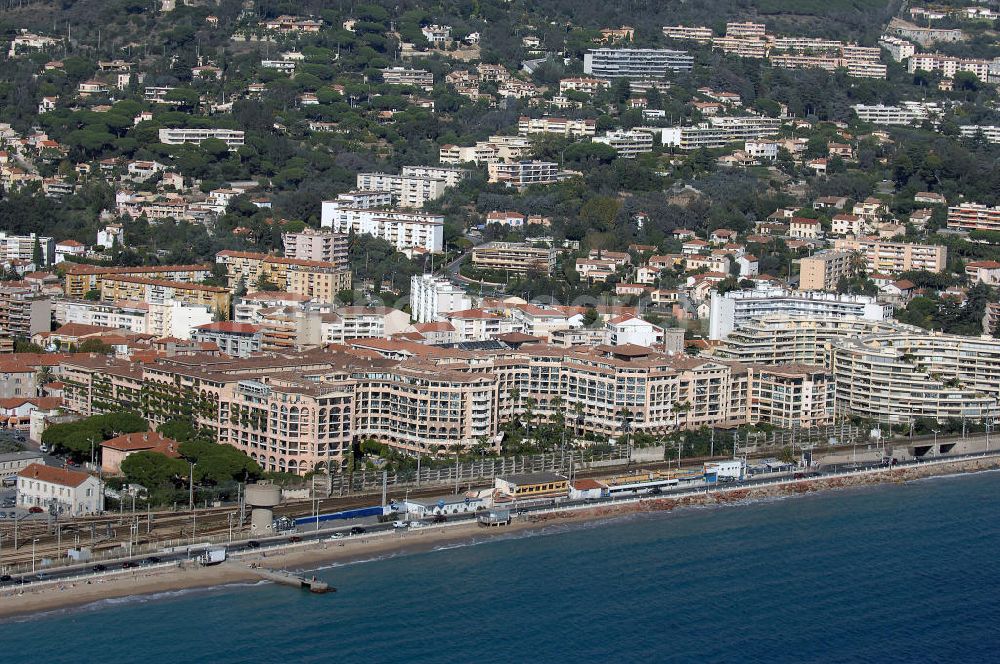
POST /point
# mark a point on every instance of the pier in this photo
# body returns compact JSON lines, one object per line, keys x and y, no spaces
{"x":313,"y":584}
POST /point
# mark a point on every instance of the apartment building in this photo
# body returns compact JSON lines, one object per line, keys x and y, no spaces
{"x":890,"y":257}
{"x":974,"y":217}
{"x":22,"y":247}
{"x":746,"y":30}
{"x":495,"y":149}
{"x":702,"y":35}
{"x":588,"y":86}
{"x":792,"y":396}
{"x":431,"y":297}
{"x":523,"y":174}
{"x":823,"y":270}
{"x":478,"y":324}
{"x":883,"y":370}
{"x":23,"y":311}
{"x":317,"y":280}
{"x":346,"y":323}
{"x":989,"y":133}
{"x":948,"y":65}
{"x":744,"y":48}
{"x":420,"y":78}
{"x":234,"y":138}
{"x":234,"y":339}
{"x":415,"y":185}
{"x":404,"y":230}
{"x":365,"y":199}
{"x":899,"y":49}
{"x":628,"y":144}
{"x":717,"y":132}
{"x":80,"y":279}
{"x":562,"y":126}
{"x":126,"y":316}
{"x":313,"y":245}
{"x":907,"y":113}
{"x":735,"y":308}
{"x":635,"y":62}
{"x":163,"y":292}
{"x":514,"y":257}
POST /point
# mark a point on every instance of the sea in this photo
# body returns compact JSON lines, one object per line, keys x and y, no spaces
{"x":889,"y":573}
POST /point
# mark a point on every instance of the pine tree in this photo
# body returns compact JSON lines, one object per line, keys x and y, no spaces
{"x":36,"y":255}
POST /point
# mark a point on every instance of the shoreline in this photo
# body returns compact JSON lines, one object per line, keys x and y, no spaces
{"x":39,"y":600}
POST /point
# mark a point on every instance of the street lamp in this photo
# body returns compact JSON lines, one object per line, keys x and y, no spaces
{"x":33,"y":542}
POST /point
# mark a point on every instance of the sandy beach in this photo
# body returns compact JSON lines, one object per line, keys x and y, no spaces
{"x":48,"y":597}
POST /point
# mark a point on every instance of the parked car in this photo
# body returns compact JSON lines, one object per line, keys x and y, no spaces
{"x":440,"y":518}
{"x":294,"y":538}
{"x":400,"y":524}
{"x":338,"y":535}
{"x":99,"y":568}
{"x":129,"y":564}
{"x":152,"y":560}
{"x":253,"y":544}
{"x":357,"y":530}
{"x":36,"y":509}
{"x":6,"y":578}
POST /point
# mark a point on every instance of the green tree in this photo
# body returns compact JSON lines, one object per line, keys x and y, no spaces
{"x":36,"y":254}
{"x":152,"y":469}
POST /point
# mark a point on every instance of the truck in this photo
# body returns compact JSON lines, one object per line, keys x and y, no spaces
{"x":213,"y":556}
{"x":725,"y":471}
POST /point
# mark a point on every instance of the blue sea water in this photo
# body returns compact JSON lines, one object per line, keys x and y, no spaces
{"x":902,"y":573}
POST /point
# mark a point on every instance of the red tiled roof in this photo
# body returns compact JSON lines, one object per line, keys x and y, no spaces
{"x":151,"y":441}
{"x":37,"y":471}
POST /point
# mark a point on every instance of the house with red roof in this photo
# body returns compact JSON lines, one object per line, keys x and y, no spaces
{"x":116,"y":450}
{"x":59,"y":490}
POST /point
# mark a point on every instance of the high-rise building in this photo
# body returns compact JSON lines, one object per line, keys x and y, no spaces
{"x":635,"y":62}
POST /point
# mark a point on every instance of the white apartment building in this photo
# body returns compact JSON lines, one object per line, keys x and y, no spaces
{"x":717,"y":132}
{"x":948,"y":65}
{"x":908,"y":113}
{"x":522,"y":174}
{"x":178,"y":135}
{"x":176,"y":319}
{"x":123,"y":316}
{"x":899,"y":49}
{"x":991,"y":133}
{"x":313,"y":245}
{"x":586,"y":85}
{"x":699,"y":34}
{"x":562,"y":126}
{"x":366,"y":199}
{"x":762,"y":150}
{"x":420,"y":78}
{"x":22,"y":247}
{"x":628,"y":144}
{"x":635,"y":62}
{"x":415,"y":185}
{"x":450,"y":176}
{"x":735,"y":308}
{"x":403,"y":229}
{"x":432,"y":297}
{"x":410,"y":192}
{"x":66,"y":492}
{"x":362,"y":323}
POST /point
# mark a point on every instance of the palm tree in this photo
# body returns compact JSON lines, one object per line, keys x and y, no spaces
{"x":529,"y":411}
